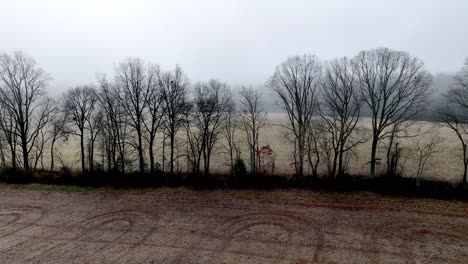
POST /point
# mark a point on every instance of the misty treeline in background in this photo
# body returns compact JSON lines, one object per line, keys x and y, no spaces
{"x":147,"y":120}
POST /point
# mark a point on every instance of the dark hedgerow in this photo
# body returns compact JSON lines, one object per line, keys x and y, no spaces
{"x":242,"y":179}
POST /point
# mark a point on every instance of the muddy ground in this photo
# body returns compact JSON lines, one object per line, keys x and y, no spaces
{"x":188,"y":226}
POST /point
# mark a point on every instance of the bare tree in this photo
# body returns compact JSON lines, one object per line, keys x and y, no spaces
{"x":315,"y":139}
{"x":9,"y":127}
{"x":109,"y":103}
{"x":455,"y":120}
{"x":108,"y":146}
{"x":174,"y":94}
{"x":115,"y":122}
{"x":341,"y":109}
{"x":58,"y":131}
{"x":212,"y":102}
{"x":252,"y":119}
{"x":3,"y":163}
{"x":79,"y":106}
{"x":296,"y":82}
{"x":454,"y":113}
{"x":426,"y":146}
{"x":22,"y":90}
{"x":135,"y":81}
{"x":394,"y":149}
{"x":394,"y":87}
{"x":95,"y":126}
{"x":460,"y":90}
{"x":156,"y":112}
{"x":47,"y":113}
{"x":230,"y":126}
{"x":194,"y":143}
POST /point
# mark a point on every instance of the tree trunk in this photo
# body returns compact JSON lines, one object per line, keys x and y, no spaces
{"x":231,"y":156}
{"x":163,"y":167}
{"x":140,"y":151}
{"x":52,"y":155}
{"x":373,"y":157}
{"x":390,"y":156}
{"x":113,"y":155}
{"x":198,"y":164}
{"x":82,"y":147}
{"x":300,"y":172}
{"x":2,"y":157}
{"x":340,"y":162}
{"x":207,"y":162}
{"x":122,"y":163}
{"x":91,"y":155}
{"x":465,"y":165}
{"x":253,"y":161}
{"x":151,"y":154}
{"x":334,"y":165}
{"x":465,"y":172}
{"x":110,"y":161}
{"x":13,"y":156}
{"x":172,"y":153}
{"x":24,"y":147}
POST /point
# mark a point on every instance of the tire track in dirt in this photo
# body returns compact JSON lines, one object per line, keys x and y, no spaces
{"x":256,"y":234}
{"x":14,"y":220}
{"x":214,"y":237}
{"x":97,"y":236}
{"x":199,"y":230}
{"x":20,"y":218}
{"x":417,"y":241}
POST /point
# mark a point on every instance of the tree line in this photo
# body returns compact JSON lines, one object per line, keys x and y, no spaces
{"x":125,"y":122}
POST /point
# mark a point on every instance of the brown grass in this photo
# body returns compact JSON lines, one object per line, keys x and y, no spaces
{"x":446,"y":165}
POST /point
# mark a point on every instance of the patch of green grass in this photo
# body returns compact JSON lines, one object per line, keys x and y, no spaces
{"x":52,"y":187}
{"x":360,"y":198}
{"x":76,"y":188}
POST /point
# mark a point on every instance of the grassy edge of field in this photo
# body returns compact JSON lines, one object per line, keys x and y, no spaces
{"x":351,"y":200}
{"x":68,"y":188}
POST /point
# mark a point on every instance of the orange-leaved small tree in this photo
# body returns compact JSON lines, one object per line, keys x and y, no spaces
{"x":266,"y":160}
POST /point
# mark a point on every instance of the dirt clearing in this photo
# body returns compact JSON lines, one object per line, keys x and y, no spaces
{"x":187,"y":226}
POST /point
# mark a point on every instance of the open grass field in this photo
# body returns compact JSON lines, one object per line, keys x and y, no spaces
{"x":47,"y":224}
{"x":445,"y":165}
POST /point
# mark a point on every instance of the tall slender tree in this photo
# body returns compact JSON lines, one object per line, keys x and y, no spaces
{"x":135,"y":81}
{"x":454,"y":113}
{"x":22,"y":92}
{"x":8,"y":128}
{"x":394,"y":86}
{"x":79,"y":106}
{"x":296,"y":82}
{"x":59,"y":130}
{"x":155,"y":119}
{"x":174,"y":93}
{"x":341,"y":102}
{"x":252,"y":119}
{"x":211,"y":103}
{"x":115,"y":124}
{"x":230,"y":128}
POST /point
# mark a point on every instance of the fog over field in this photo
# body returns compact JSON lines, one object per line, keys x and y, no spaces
{"x":237,"y":41}
{"x":332,"y":87}
{"x":233,"y":131}
{"x":444,"y":165}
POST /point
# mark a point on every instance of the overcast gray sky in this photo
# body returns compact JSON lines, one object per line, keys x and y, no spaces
{"x":237,"y":41}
